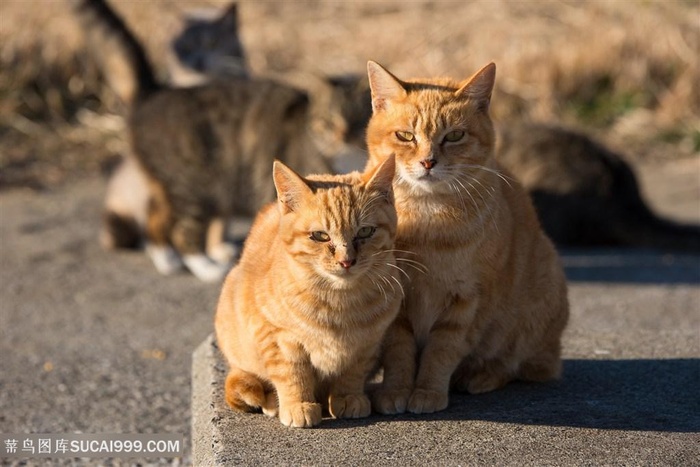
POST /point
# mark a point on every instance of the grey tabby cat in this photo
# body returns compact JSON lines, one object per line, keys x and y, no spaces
{"x":208,"y":47}
{"x":206,"y":150}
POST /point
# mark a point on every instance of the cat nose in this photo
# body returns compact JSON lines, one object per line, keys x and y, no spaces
{"x":347,"y":264}
{"x":428,"y":163}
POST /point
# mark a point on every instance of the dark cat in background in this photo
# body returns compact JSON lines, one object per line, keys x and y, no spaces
{"x":584,"y":193}
{"x":208,"y":47}
{"x":207,"y":150}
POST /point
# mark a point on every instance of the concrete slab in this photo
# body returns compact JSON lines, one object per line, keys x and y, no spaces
{"x":628,"y":397}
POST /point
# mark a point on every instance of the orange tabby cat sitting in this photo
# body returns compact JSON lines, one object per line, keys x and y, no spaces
{"x":491,"y":304}
{"x":301,"y":317}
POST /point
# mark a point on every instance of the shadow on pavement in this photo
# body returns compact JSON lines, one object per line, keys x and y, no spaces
{"x":631,"y":395}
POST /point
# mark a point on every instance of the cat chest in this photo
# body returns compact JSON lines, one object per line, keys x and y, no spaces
{"x":330,"y":354}
{"x":430,"y":296}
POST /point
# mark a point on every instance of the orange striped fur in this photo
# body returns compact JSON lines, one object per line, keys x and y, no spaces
{"x":301,"y":317}
{"x":487,"y":300}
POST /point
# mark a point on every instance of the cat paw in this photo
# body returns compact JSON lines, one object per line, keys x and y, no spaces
{"x":301,"y":415}
{"x":390,"y":401}
{"x":224,"y":253}
{"x":349,"y":406}
{"x":425,"y":401}
{"x":165,"y":259}
{"x":204,"y":268}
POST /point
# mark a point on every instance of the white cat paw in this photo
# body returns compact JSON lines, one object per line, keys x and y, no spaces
{"x":204,"y":268}
{"x":224,"y":253}
{"x":165,"y":259}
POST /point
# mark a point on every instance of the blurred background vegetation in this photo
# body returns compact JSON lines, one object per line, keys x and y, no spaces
{"x":626,"y":72}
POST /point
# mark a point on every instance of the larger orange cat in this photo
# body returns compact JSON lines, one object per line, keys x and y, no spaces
{"x":301,"y":317}
{"x":492,"y":303}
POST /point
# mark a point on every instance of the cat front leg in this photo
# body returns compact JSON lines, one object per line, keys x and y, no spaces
{"x":399,"y":363}
{"x":347,"y":398}
{"x":448,"y":343}
{"x":291,"y":373}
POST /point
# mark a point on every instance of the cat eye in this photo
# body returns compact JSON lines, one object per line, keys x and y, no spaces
{"x":365,"y":232}
{"x":405,"y":136}
{"x":454,"y":136}
{"x":319,"y":236}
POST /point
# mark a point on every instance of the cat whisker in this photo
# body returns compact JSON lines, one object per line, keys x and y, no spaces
{"x":498,"y":173}
{"x":394,"y":250}
{"x":388,"y":282}
{"x":459,"y":194}
{"x":378,"y":285}
{"x":403,"y":293}
{"x":488,"y":207}
{"x":400,"y":270}
{"x":418,"y":266}
{"x":468,"y":192}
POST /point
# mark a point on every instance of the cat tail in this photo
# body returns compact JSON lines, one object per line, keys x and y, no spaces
{"x":637,"y":225}
{"x":245,"y":392}
{"x":644,"y":229}
{"x":123,"y":59}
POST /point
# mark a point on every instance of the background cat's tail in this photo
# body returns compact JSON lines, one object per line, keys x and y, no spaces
{"x":643,"y":228}
{"x":123,"y":59}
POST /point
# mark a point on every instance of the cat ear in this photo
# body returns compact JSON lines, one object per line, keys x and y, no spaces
{"x":381,"y":178}
{"x":230,"y":17}
{"x":291,"y":187}
{"x":479,"y":86}
{"x":385,"y":86}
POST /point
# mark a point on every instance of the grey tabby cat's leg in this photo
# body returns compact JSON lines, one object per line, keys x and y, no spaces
{"x":188,"y":237}
{"x":218,"y":248}
{"x":204,"y":268}
{"x":164,"y":258}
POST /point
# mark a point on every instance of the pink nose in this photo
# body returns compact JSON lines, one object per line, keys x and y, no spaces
{"x":428,"y":163}
{"x":347,"y":264}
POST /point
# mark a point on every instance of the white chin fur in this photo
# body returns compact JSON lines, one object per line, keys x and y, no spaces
{"x":204,"y":268}
{"x":165,"y":259}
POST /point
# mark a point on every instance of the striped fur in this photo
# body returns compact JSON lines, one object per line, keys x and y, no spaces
{"x":300,"y":321}
{"x":488,"y":302}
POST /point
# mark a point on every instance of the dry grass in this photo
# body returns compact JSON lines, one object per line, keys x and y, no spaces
{"x":624,"y":70}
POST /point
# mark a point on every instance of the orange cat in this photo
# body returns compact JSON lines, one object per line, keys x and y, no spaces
{"x":301,"y":317}
{"x":492,"y":305}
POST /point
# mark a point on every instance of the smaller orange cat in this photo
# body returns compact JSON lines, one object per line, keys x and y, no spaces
{"x":302,"y":316}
